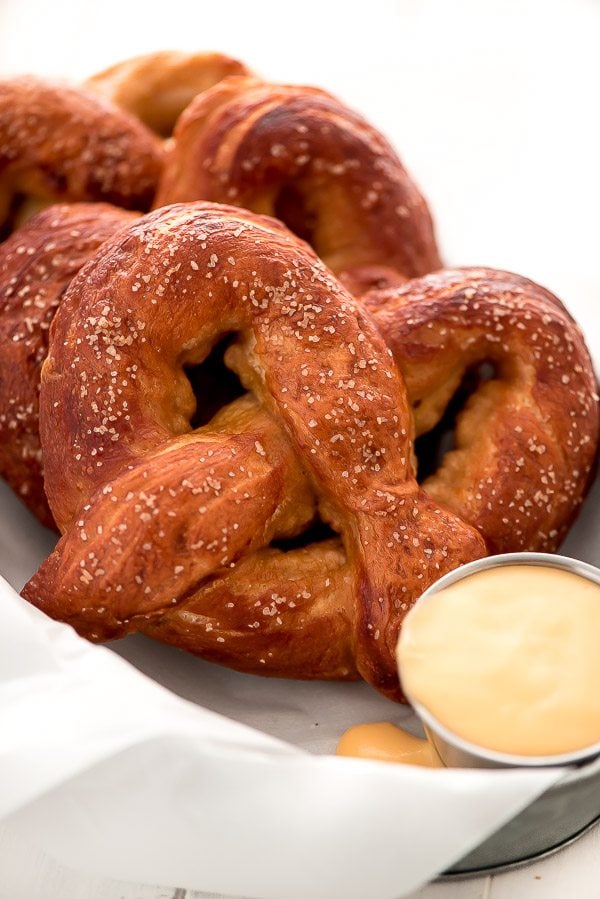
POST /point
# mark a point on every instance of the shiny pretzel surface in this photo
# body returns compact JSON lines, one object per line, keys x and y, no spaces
{"x":299,"y":154}
{"x":153,"y":510}
{"x":525,"y":445}
{"x":60,"y":143}
{"x":37,"y":263}
{"x":526,"y":441}
{"x":157,"y":87}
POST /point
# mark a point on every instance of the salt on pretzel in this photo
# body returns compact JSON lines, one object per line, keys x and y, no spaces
{"x":152,"y":511}
{"x":526,"y":443}
{"x":60,"y":143}
{"x":157,"y":87}
{"x":299,"y":154}
{"x":37,"y":263}
{"x":525,"y":449}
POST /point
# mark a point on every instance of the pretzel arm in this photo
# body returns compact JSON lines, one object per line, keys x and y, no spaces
{"x":280,"y":613}
{"x":526,"y":441}
{"x":299,"y":154}
{"x":37,"y":264}
{"x":166,"y":504}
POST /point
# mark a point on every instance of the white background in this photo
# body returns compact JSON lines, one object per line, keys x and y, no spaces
{"x":493,"y":106}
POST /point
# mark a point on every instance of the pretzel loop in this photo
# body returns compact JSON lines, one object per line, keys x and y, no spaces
{"x":37,"y":264}
{"x":299,"y":154}
{"x":525,"y":444}
{"x":62,"y":143}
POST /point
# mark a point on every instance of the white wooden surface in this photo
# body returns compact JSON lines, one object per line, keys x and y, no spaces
{"x":573,"y":873}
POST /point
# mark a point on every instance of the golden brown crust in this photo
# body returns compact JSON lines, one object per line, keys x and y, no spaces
{"x":299,"y":154}
{"x":527,"y":440}
{"x":60,"y":143}
{"x":36,"y":266}
{"x":519,"y":492}
{"x":154,"y":512}
{"x":157,"y":87}
{"x":517,"y":496}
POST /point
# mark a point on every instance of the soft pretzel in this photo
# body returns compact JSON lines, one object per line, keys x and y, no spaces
{"x":37,"y":264}
{"x":299,"y":154}
{"x":60,"y":143}
{"x":157,"y":87}
{"x":526,"y":446}
{"x":152,"y":511}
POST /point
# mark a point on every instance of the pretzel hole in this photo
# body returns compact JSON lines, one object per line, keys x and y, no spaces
{"x":11,"y":215}
{"x":213,"y":383}
{"x":318,"y":531}
{"x":431,"y":447}
{"x":18,"y":210}
{"x":291,"y":207}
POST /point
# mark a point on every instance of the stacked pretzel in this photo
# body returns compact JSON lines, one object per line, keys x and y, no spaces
{"x":279,"y":528}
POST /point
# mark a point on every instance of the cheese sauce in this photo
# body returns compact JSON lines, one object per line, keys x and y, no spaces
{"x":387,"y":743}
{"x":509,"y":659}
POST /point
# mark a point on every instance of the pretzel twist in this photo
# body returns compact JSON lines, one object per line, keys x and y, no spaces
{"x":157,"y":87}
{"x":62,"y":143}
{"x":299,"y":154}
{"x":152,"y":511}
{"x":37,"y":264}
{"x":526,"y":444}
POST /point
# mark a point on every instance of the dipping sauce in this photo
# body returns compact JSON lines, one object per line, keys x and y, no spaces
{"x":508,"y":658}
{"x":387,"y":743}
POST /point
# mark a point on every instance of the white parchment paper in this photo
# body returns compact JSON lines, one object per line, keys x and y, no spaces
{"x":107,"y":770}
{"x":222,"y":782}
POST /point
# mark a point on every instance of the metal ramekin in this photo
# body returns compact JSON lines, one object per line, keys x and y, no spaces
{"x":454,"y":751}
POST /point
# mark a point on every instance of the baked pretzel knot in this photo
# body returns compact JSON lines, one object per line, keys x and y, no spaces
{"x":153,"y":511}
{"x":525,"y":445}
{"x":299,"y":154}
{"x":60,"y":143}
{"x":157,"y":87}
